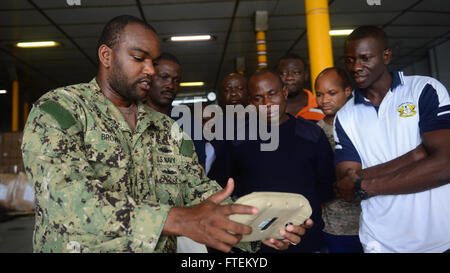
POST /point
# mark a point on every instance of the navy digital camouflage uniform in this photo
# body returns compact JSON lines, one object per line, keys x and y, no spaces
{"x":99,"y":186}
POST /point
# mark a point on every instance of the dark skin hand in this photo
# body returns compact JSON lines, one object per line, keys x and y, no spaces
{"x":348,"y":172}
{"x":344,"y":188}
{"x":291,"y":234}
{"x":416,"y":171}
{"x":208,"y":223}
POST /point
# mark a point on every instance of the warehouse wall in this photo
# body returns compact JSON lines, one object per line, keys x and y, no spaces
{"x":421,"y":67}
{"x":436,"y":64}
{"x":442,"y":63}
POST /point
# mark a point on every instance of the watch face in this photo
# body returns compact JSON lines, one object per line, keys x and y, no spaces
{"x":361,"y":194}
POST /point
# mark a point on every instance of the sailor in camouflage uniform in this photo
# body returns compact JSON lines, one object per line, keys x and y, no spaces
{"x":106,"y":180}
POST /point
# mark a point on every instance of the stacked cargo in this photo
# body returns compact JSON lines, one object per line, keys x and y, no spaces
{"x":16,"y":194}
{"x":11,"y":153}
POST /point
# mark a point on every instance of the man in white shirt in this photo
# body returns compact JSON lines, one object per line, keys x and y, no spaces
{"x":393,"y":151}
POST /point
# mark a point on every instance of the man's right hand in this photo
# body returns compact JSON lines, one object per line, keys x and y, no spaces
{"x":345,"y":187}
{"x":208,"y":222}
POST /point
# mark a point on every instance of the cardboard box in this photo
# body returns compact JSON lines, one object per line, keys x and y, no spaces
{"x":10,"y":152}
{"x":16,"y":193}
{"x":11,"y":140}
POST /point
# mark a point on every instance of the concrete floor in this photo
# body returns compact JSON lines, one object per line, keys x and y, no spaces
{"x":16,"y":234}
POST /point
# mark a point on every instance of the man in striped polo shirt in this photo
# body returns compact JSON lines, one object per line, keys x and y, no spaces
{"x":393,"y":151}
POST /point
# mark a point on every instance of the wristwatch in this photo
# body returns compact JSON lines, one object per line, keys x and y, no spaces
{"x":360,"y":193}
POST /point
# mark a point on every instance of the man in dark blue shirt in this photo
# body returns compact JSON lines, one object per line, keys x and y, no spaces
{"x":302,"y":163}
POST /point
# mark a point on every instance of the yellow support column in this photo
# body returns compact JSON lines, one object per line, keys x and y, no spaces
{"x":15,"y":107}
{"x":319,"y":40}
{"x":26,"y":111}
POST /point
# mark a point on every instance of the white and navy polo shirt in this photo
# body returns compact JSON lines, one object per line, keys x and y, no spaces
{"x":372,"y":135}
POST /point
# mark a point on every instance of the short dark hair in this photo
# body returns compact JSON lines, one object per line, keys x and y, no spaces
{"x":293,"y":56}
{"x":265,"y":71}
{"x":113,"y":29}
{"x":369,"y":31}
{"x":234,"y":74}
{"x":345,"y":80}
{"x":168,"y":57}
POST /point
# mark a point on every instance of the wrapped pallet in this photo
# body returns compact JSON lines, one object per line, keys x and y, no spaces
{"x":10,"y":152}
{"x":16,"y":194}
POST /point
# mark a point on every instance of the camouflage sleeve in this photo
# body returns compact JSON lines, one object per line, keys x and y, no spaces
{"x":196,"y":185}
{"x":199,"y":187}
{"x":74,"y":211}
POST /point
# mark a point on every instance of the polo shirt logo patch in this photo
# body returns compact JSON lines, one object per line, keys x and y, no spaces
{"x":407,"y":110}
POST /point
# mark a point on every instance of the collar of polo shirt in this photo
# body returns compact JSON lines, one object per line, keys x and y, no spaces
{"x":397,"y":79}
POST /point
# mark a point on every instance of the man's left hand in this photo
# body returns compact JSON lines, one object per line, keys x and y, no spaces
{"x":292,"y":236}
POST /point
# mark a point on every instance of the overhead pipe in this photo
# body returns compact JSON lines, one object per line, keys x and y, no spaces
{"x":225,"y":46}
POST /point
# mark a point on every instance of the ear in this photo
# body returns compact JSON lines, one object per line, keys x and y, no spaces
{"x":387,"y":54}
{"x":348,"y":91}
{"x":105,"y":55}
{"x":285,"y":92}
{"x":306,"y":75}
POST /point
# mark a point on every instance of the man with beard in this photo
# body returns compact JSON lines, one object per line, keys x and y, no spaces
{"x":300,"y":102}
{"x":108,"y":174}
{"x":302,"y":163}
{"x":164,"y":89}
{"x":404,"y":191}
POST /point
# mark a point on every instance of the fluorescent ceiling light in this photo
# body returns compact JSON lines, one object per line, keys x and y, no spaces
{"x":3,"y":92}
{"x":340,"y":32}
{"x":189,"y":100}
{"x":38,"y":44}
{"x":186,"y":84}
{"x":190,"y":38}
